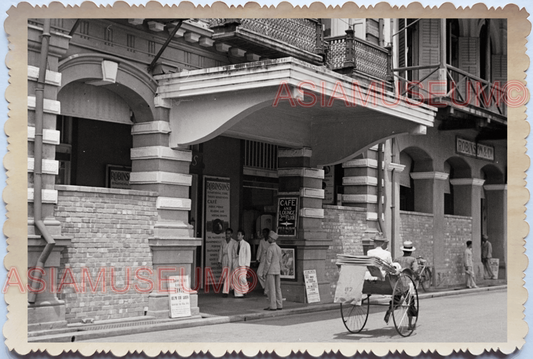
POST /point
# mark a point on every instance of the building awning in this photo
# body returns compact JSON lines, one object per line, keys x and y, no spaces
{"x":290,"y":103}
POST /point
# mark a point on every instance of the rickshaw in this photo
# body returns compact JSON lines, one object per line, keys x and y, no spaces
{"x":399,"y":285}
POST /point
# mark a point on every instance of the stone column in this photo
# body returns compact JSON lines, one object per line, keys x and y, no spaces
{"x":158,"y":168}
{"x":48,"y":311}
{"x":429,"y":197}
{"x":496,"y":204}
{"x":393,"y":219}
{"x":360,"y":183}
{"x":298,"y":180}
{"x":467,"y":202}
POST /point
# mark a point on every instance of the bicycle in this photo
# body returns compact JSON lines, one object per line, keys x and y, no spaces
{"x":423,"y":276}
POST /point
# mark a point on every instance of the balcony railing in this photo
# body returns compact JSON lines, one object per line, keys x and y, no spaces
{"x":462,"y":89}
{"x":270,"y":38}
{"x":364,"y":57}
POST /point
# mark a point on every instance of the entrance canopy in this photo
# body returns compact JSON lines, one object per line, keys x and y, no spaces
{"x":290,"y":103}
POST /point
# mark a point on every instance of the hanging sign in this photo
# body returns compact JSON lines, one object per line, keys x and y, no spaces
{"x":217,"y":211}
{"x":287,"y":216}
{"x":179,"y":300}
{"x":311,"y":286}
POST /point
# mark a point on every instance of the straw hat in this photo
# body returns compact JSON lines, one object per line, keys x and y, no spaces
{"x":407,"y":246}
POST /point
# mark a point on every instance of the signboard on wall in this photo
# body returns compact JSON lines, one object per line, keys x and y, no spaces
{"x":179,"y":300}
{"x":217,"y":217}
{"x":118,"y":176}
{"x":473,"y":149}
{"x":311,"y":286}
{"x":287,"y":216}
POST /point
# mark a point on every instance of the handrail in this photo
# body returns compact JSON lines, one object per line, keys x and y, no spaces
{"x":465,"y":81}
{"x":413,"y":68}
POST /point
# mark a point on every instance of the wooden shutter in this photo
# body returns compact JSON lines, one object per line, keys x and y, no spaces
{"x":499,"y":68}
{"x":469,"y":55}
{"x":468,"y":61}
{"x":401,"y":43}
{"x":429,"y":47}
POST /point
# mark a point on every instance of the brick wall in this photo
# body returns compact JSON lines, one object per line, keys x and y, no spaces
{"x":109,"y":229}
{"x":418,"y":228}
{"x":458,"y":231}
{"x":345,"y":227}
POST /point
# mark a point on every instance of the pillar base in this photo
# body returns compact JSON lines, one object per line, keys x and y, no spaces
{"x":46,"y":316}
{"x":158,"y":306}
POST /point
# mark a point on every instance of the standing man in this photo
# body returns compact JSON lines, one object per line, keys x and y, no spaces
{"x":271,"y":272}
{"x":469,"y":266}
{"x":486,"y":256}
{"x":261,"y":256}
{"x":225,"y":258}
{"x":241,"y":263}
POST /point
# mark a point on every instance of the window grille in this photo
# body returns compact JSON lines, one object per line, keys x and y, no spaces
{"x":260,"y":155}
{"x":108,"y":36}
{"x":84,"y":29}
{"x":151,"y":47}
{"x":131,"y":43}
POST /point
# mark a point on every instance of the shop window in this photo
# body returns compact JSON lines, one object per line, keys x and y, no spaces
{"x":407,"y":199}
{"x":98,"y":148}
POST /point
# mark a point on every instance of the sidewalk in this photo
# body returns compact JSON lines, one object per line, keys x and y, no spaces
{"x":216,"y":310}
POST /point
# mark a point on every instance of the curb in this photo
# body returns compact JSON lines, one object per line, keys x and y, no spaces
{"x":189,"y":323}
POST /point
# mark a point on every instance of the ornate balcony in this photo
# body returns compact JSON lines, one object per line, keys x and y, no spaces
{"x":359,"y":58}
{"x":465,"y":101}
{"x":271,"y":38}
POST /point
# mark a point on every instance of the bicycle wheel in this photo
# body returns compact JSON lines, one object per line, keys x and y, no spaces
{"x":405,"y":305}
{"x":425,"y":279}
{"x":354,"y":316}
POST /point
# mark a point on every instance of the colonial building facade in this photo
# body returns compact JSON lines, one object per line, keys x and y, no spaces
{"x":147,"y":138}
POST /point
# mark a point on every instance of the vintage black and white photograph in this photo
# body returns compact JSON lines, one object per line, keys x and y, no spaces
{"x":184,"y":173}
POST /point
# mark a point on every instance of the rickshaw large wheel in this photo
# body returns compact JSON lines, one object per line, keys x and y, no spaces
{"x":405,"y":305}
{"x":355,"y":316}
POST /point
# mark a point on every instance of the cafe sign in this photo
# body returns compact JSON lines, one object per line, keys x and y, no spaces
{"x":287,"y":216}
{"x":472,"y":149}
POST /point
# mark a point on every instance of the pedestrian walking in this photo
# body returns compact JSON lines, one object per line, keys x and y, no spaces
{"x":241,"y":263}
{"x":261,"y":256}
{"x":271,"y":273}
{"x":469,"y":266}
{"x":486,"y":256}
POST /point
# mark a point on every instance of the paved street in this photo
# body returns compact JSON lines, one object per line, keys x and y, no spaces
{"x":476,"y":317}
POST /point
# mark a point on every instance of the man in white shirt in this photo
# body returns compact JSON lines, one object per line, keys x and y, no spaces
{"x":379,"y":251}
{"x":241,"y":263}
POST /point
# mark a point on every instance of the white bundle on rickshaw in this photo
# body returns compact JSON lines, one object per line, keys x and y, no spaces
{"x":353,"y":270}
